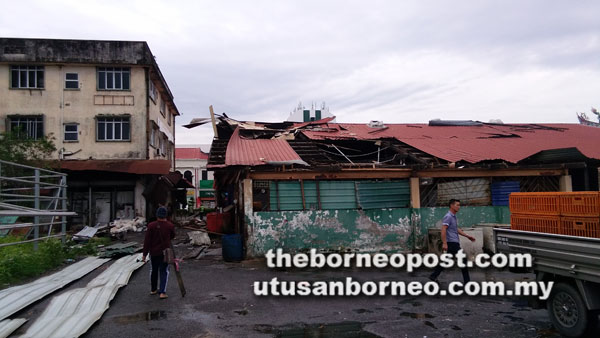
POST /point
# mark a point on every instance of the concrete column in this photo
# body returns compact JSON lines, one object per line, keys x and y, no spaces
{"x":415,"y":193}
{"x":565,"y":183}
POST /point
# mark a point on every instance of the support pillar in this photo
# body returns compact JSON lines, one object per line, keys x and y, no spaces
{"x":415,"y":193}
{"x":565,"y":183}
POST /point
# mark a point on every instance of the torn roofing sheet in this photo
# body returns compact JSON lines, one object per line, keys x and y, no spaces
{"x":243,"y":151}
{"x":16,"y":298}
{"x":73,"y":312}
{"x":509,"y":142}
{"x":8,"y":326}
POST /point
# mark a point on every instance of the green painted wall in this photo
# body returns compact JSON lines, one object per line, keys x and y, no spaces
{"x":374,"y":230}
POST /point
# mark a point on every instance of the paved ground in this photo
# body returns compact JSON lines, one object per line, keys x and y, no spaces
{"x":220,"y":303}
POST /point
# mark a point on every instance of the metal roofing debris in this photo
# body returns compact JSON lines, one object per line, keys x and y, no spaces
{"x":86,"y":232}
{"x":141,"y":167}
{"x":72,"y":313}
{"x":242,"y":151}
{"x":8,"y":326}
{"x":17,"y":297}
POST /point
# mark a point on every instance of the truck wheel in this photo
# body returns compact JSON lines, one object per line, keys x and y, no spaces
{"x":567,"y":310}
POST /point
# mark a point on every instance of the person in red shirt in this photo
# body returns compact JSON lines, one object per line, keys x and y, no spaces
{"x":158,"y":237}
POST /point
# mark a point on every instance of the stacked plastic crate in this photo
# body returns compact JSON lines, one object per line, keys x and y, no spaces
{"x":565,"y":213}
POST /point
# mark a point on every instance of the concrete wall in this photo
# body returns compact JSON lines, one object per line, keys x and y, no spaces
{"x":375,"y":230}
{"x":59,"y":105}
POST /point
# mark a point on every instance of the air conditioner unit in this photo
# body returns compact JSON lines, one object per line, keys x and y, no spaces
{"x":376,"y":124}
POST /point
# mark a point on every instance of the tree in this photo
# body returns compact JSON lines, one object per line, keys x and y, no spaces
{"x":15,"y":147}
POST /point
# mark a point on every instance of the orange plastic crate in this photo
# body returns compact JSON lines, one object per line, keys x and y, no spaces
{"x":580,"y":204}
{"x":537,"y":203}
{"x":580,"y":226}
{"x":535,"y":223}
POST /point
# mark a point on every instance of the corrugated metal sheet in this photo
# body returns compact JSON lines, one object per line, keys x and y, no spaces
{"x":474,"y":191}
{"x":509,"y":142}
{"x":375,"y":195}
{"x":141,"y":167}
{"x":242,"y":151}
{"x":337,"y":195}
{"x":502,"y":190}
{"x":8,"y":326}
{"x":72,"y":313}
{"x":16,"y":298}
{"x":290,"y":195}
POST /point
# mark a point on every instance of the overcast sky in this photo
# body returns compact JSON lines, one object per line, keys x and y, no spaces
{"x":396,"y":61}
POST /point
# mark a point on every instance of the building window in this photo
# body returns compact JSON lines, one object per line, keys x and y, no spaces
{"x":27,"y":77}
{"x":31,"y":126}
{"x":152,"y":91}
{"x":169,"y":116}
{"x":71,"y":132}
{"x":163,"y":107}
{"x":153,"y":136}
{"x":161,"y":144}
{"x":112,"y":129}
{"x":71,"y":81}
{"x":113,"y":78}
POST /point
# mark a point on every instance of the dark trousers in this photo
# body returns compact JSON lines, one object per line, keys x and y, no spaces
{"x":159,"y":267}
{"x":452,"y":249}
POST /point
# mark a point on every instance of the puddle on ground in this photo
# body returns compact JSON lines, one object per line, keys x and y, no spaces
{"x":417,"y":315}
{"x":362,"y":311}
{"x":331,"y":330}
{"x":514,"y":319}
{"x":430,"y":324}
{"x":141,"y":317}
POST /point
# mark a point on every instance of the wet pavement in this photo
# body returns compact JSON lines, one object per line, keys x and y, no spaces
{"x":220,"y":303}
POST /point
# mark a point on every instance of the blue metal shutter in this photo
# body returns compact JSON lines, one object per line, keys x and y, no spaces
{"x":501,"y":191}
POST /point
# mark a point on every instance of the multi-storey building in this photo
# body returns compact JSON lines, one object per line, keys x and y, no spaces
{"x":109,"y":109}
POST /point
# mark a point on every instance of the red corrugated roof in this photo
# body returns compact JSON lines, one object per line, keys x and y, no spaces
{"x":190,"y":154}
{"x":509,"y":142}
{"x":242,"y":151}
{"x":141,"y":167}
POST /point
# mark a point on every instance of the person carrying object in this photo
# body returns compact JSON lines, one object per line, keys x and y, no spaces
{"x":158,"y":238}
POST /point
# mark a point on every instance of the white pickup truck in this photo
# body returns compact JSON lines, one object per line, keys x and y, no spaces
{"x":573,"y":264}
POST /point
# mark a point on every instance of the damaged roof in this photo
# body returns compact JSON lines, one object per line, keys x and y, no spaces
{"x":252,"y":152}
{"x":474,"y":143}
{"x":436,"y":143}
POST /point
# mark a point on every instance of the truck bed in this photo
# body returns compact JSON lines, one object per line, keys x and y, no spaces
{"x":575,"y":257}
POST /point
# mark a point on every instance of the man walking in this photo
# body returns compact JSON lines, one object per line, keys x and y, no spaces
{"x":158,"y":238}
{"x":450,"y":240}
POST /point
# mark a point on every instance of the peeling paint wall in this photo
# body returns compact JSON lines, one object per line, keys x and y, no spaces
{"x":375,"y":230}
{"x":425,"y":218}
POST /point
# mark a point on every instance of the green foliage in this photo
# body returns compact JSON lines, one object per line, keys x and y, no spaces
{"x":14,"y":147}
{"x":20,"y":262}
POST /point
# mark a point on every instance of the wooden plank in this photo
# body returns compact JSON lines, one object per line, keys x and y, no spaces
{"x":308,"y":175}
{"x":488,"y":173}
{"x":212,"y":118}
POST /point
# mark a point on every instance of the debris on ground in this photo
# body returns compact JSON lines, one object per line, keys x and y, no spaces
{"x":119,"y":249}
{"x":124,"y":225}
{"x":199,"y":238}
{"x":196,"y":253}
{"x":72,"y":313}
